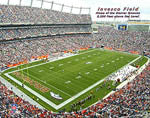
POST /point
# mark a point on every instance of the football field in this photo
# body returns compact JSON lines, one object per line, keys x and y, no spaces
{"x":71,"y":77}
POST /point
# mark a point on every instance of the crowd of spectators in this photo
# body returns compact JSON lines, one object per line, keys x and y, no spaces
{"x":130,"y":101}
{"x":29,"y":15}
{"x":126,"y":40}
{"x":10,"y":33}
{"x":17,"y":51}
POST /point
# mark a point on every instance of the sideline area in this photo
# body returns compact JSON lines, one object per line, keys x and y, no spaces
{"x":131,"y":78}
{"x":70,"y":99}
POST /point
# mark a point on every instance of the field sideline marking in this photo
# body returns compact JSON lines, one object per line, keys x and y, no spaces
{"x":123,"y":83}
{"x":52,"y":61}
{"x":92,"y":86}
{"x":50,"y":85}
{"x":73,"y":97}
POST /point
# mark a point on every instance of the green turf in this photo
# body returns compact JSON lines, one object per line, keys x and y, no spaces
{"x":97,"y":93}
{"x":73,"y":67}
{"x":56,"y":78}
{"x":141,"y":61}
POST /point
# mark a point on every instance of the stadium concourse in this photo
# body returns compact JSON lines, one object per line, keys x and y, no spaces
{"x":28,"y":33}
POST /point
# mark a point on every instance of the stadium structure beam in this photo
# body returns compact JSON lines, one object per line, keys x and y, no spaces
{"x":62,"y":7}
{"x":7,"y":2}
{"x":42,"y":3}
{"x":20,"y":2}
{"x":31,"y":3}
{"x":80,"y":10}
{"x":52,"y":5}
{"x":89,"y":10}
{"x":71,"y":9}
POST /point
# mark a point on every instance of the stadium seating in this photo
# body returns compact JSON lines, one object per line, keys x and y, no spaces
{"x":130,"y":101}
{"x":123,"y":40}
{"x":29,"y":15}
{"x":18,"y":32}
{"x":18,"y":51}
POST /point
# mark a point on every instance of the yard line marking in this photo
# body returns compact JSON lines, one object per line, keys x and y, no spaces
{"x":50,"y":85}
{"x":73,"y":97}
{"x":52,"y":61}
{"x":32,"y":91}
{"x":67,"y":82}
{"x":41,"y":71}
{"x":61,"y":64}
{"x":51,"y":67}
{"x":123,"y":83}
{"x":95,"y":69}
{"x":78,"y":77}
{"x":87,"y":73}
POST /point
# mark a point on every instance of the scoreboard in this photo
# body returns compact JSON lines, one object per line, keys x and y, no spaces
{"x":122,"y":27}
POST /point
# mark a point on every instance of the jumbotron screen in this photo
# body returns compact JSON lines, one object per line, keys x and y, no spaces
{"x":122,"y":27}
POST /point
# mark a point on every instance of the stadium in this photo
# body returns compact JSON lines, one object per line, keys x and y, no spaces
{"x":57,"y":64}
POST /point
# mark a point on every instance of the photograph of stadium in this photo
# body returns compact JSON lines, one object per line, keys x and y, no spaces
{"x":74,"y":59}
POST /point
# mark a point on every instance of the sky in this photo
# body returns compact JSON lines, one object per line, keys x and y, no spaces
{"x":144,"y":6}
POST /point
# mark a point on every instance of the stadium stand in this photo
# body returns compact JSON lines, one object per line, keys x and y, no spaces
{"x":17,"y":51}
{"x":22,"y":22}
{"x":130,"y":101}
{"x":123,"y":40}
{"x":30,"y":15}
{"x":28,"y":33}
{"x":8,"y":32}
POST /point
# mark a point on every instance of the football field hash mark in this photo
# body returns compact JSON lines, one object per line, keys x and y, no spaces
{"x":76,"y":70}
{"x":78,"y":77}
{"x":61,"y":64}
{"x":50,"y":85}
{"x":51,"y":67}
{"x":95,"y":69}
{"x":87,"y":73}
{"x":41,"y":71}
{"x":67,"y":82}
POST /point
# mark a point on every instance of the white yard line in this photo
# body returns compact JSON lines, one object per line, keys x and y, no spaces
{"x":129,"y":79}
{"x":126,"y":81}
{"x":32,"y":91}
{"x":70,"y":99}
{"x":19,"y":92}
{"x":60,"y":58}
{"x":51,"y":86}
